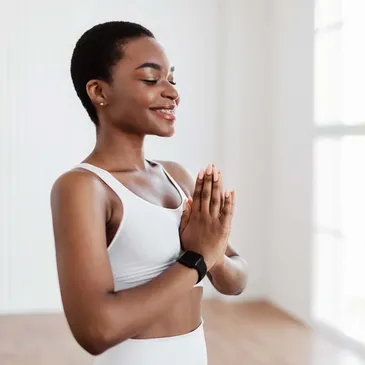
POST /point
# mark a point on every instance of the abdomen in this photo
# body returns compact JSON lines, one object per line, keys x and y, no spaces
{"x":180,"y":319}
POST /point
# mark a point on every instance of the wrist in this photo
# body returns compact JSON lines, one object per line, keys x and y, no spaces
{"x":218,"y":266}
{"x":194,"y":260}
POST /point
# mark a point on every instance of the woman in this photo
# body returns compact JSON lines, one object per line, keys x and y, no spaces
{"x":131,"y":249}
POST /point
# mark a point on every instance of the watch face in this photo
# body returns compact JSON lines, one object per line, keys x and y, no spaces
{"x":192,"y":256}
{"x":198,"y":261}
{"x":193,"y":259}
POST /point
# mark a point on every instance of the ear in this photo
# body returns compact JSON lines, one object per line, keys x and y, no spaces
{"x":96,"y":90}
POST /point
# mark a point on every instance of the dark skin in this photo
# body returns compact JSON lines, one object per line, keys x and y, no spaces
{"x":86,"y":214}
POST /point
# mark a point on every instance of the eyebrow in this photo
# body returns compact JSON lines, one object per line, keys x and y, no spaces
{"x":153,"y":65}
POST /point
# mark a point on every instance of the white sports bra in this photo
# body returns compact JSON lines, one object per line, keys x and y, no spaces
{"x":147,"y":241}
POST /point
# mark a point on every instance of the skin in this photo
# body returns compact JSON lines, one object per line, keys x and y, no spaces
{"x":86,"y":214}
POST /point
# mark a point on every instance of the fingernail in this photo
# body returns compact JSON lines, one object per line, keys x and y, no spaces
{"x":215,"y":175}
{"x":219,"y":171}
{"x":227,"y":193}
{"x":213,"y":165}
{"x":209,"y":169}
{"x":201,"y":174}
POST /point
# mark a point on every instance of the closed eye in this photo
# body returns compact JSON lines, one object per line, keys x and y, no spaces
{"x":150,"y":82}
{"x":154,"y":82}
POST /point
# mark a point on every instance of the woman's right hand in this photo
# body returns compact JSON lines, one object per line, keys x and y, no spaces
{"x":207,"y":223}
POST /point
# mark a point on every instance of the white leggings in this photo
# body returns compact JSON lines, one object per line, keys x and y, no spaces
{"x":183,"y":349}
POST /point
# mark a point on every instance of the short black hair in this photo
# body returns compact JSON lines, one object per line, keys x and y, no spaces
{"x":98,"y":49}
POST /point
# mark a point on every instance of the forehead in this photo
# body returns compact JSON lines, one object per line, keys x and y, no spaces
{"x":146,"y":49}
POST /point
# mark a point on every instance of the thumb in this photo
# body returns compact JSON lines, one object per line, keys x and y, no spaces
{"x":185,"y":216}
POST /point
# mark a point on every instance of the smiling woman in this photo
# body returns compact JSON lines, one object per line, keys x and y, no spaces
{"x":131,"y":251}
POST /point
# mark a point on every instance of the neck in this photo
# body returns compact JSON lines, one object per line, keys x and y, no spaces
{"x":118,"y":151}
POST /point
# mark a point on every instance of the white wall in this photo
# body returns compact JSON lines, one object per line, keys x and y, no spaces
{"x":289,"y":254}
{"x":245,"y":129}
{"x":220,"y":54}
{"x":3,"y":162}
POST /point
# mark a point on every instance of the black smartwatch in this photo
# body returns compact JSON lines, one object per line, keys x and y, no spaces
{"x":194,"y":260}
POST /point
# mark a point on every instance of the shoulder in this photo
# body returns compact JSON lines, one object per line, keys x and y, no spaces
{"x":181,"y":175}
{"x":76,"y":185}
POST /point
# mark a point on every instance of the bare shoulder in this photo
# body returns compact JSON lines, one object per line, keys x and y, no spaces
{"x":75,"y":182}
{"x":78,"y":190}
{"x":80,"y":209}
{"x":181,"y":175}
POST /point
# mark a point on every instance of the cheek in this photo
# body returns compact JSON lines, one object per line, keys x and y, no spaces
{"x":151,"y":96}
{"x":146,"y":95}
{"x":139,"y":97}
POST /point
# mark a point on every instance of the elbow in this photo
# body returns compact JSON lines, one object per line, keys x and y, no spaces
{"x":93,"y":347}
{"x":243,"y":285}
{"x":243,"y":277}
{"x":239,"y":291}
{"x":97,"y":338}
{"x":232,"y":292}
{"x":93,"y":343}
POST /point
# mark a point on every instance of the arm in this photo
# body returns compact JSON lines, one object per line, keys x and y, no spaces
{"x":228,"y":276}
{"x":100,"y":318}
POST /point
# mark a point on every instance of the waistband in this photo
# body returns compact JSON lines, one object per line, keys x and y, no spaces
{"x":184,"y":336}
{"x":188,"y":348}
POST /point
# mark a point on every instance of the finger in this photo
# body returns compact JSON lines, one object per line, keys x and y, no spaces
{"x":185,"y":216}
{"x":207,"y":190}
{"x":197,"y":191}
{"x":188,"y":206}
{"x":228,"y":208}
{"x":221,"y":189}
{"x":233,"y":202}
{"x":215,"y":201}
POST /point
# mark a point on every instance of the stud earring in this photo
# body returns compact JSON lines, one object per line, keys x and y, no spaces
{"x":102,"y":104}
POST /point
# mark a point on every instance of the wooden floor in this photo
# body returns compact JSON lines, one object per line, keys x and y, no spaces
{"x":247,"y":334}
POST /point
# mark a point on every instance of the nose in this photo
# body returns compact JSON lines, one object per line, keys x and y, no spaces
{"x":170,"y":92}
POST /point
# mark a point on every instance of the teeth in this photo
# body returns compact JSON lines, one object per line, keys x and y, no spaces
{"x":166,"y":111}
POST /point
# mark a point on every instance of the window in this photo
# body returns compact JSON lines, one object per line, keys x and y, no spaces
{"x":339,"y":166}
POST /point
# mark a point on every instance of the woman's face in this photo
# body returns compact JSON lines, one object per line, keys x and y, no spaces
{"x":142,"y":97}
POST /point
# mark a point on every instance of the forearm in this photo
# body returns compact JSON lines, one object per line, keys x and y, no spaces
{"x":127,"y":312}
{"x":229,"y":277}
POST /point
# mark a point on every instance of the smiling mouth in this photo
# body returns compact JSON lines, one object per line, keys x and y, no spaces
{"x":168,"y":114}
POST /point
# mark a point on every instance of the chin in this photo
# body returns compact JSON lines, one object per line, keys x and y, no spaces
{"x":160,"y":126}
{"x":165,"y":133}
{"x":163,"y":129}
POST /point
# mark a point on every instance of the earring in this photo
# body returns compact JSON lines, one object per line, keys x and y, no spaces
{"x":102,"y":104}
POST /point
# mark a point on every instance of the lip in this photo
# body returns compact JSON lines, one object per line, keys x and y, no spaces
{"x":166,"y":116}
{"x":167,"y":106}
{"x":170,"y":116}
